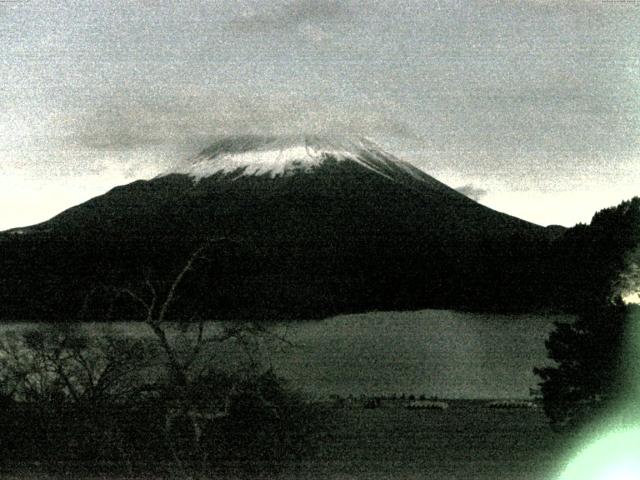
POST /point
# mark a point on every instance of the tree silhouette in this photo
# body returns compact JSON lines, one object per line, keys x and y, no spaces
{"x":588,"y":353}
{"x":588,"y":374}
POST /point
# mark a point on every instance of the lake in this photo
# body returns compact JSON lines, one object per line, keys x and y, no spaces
{"x":432,"y":352}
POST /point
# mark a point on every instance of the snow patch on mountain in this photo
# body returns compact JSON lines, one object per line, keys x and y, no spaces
{"x":282,"y":156}
{"x":271,"y":162}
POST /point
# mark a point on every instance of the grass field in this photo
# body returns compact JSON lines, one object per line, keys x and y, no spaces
{"x":467,"y":441}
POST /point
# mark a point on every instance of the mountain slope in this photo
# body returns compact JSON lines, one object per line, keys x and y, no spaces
{"x":319,"y":226}
{"x":314,"y":178}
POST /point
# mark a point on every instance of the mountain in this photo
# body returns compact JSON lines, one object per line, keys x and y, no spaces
{"x":313,"y":226}
{"x":284,"y":180}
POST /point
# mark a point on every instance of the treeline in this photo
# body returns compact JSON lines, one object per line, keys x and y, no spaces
{"x":568,"y":273}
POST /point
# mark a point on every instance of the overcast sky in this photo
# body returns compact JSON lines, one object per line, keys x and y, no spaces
{"x":532,"y":107}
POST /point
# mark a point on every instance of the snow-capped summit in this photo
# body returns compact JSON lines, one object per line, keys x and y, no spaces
{"x":277,"y":156}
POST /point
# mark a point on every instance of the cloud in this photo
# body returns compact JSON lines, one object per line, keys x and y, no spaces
{"x":188,"y":123}
{"x":297,"y":14}
{"x":471,"y":191}
{"x":118,"y":124}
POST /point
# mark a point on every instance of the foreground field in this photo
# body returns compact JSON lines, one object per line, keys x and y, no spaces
{"x":467,"y":441}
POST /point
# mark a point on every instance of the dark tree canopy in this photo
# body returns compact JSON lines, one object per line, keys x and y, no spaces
{"x":589,"y":358}
{"x":589,"y":353}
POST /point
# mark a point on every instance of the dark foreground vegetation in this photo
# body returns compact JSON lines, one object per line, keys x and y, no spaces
{"x":114,"y":404}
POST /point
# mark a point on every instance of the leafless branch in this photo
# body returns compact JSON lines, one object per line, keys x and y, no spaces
{"x":176,"y":283}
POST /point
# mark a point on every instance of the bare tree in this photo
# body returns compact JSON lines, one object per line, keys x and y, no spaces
{"x":71,"y":382}
{"x":62,"y":363}
{"x":186,"y":344}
